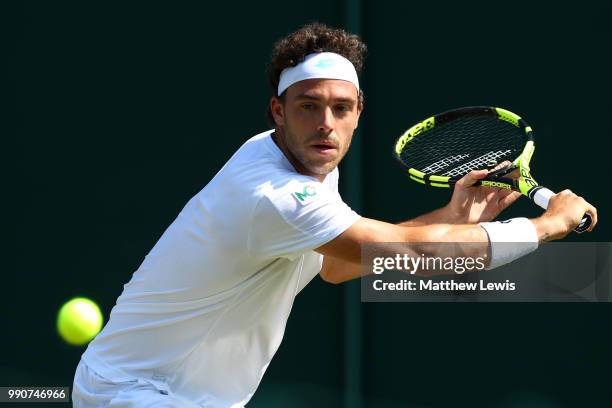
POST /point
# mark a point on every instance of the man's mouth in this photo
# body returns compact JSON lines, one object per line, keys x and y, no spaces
{"x":324,"y":147}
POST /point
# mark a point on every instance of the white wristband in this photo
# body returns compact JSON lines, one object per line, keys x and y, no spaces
{"x":510,"y":240}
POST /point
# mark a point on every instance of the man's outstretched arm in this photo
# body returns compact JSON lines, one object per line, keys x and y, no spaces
{"x":343,"y":254}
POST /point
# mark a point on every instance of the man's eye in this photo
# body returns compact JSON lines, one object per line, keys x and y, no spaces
{"x":308,"y":106}
{"x":342,"y":108}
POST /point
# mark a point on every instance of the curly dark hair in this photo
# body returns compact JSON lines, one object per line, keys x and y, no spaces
{"x":315,"y":37}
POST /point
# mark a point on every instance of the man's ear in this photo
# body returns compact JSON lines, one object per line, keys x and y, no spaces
{"x":359,"y":110}
{"x":278,"y":111}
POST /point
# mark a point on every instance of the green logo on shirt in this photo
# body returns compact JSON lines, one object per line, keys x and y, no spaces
{"x":309,"y":191}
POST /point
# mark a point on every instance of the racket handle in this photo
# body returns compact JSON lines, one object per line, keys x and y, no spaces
{"x":541,"y":196}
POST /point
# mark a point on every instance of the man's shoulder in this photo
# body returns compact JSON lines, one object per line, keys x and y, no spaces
{"x":260,"y":164}
{"x":256,"y":169}
{"x":292,"y":194}
{"x":256,"y":152}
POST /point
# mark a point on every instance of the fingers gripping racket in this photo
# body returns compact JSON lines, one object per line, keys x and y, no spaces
{"x":443,"y":148}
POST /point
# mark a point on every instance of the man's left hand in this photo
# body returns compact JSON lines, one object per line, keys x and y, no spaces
{"x":471,"y":205}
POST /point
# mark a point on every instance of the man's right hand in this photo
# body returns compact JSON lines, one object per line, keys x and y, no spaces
{"x":565,"y":212}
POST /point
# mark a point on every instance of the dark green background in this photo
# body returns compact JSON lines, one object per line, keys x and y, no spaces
{"x":122,"y":112}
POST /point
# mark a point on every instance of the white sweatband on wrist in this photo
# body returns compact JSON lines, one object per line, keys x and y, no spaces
{"x":320,"y":65}
{"x":510,"y":240}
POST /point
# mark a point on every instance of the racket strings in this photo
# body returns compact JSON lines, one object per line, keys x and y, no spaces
{"x":485,"y":161}
{"x":463,"y":144}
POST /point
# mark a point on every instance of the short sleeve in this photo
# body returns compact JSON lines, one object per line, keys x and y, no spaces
{"x":298,"y":217}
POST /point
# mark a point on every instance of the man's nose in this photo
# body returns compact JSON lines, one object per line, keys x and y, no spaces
{"x":327,"y":121}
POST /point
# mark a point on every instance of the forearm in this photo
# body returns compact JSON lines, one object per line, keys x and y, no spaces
{"x":548,"y":229}
{"x":445,"y":232}
{"x":421,"y":240}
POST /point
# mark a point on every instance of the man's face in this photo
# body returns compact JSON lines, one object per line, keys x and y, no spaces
{"x":315,"y":123}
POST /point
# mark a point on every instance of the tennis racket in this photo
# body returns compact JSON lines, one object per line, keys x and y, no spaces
{"x":443,"y":148}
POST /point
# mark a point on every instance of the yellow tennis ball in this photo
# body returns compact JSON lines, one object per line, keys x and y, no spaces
{"x":79,"y":320}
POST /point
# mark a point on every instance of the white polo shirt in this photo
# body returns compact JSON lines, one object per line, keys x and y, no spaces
{"x":206,"y":311}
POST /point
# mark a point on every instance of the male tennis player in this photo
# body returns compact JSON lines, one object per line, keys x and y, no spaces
{"x":201,"y":319}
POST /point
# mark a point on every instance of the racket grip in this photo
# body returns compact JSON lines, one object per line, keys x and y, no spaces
{"x":541,"y":196}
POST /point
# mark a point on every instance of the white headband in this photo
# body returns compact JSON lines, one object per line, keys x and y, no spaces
{"x":323,"y":65}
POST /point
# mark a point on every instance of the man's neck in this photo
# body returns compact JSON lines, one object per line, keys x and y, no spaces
{"x":280,"y":142}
